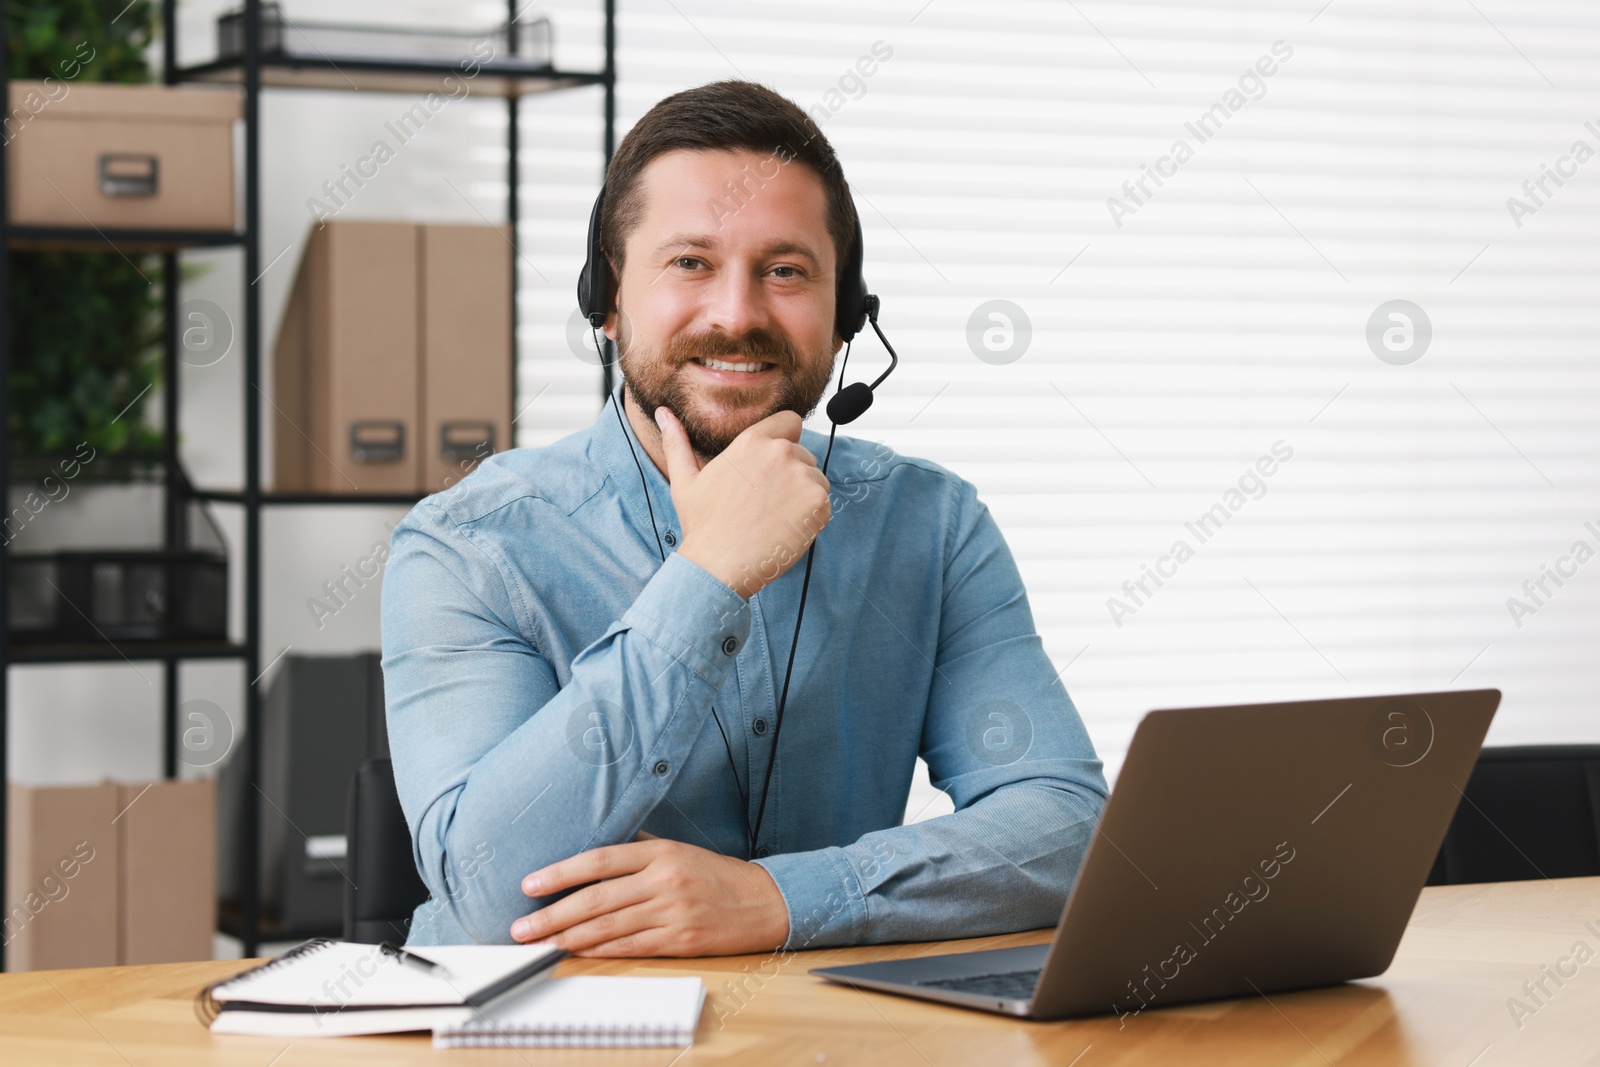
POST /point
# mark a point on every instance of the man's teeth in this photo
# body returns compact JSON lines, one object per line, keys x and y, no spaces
{"x":722,"y":364}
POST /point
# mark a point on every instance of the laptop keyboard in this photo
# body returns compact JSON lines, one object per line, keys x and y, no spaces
{"x":1011,"y":985}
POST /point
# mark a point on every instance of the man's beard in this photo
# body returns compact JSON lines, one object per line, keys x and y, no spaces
{"x":657,"y":379}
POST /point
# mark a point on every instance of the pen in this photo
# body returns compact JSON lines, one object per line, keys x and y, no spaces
{"x":390,"y":949}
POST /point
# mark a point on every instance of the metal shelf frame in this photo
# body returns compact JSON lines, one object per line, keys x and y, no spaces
{"x":505,"y":78}
{"x":87,"y":239}
{"x":253,"y":72}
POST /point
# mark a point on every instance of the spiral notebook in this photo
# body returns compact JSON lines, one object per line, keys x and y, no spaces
{"x":327,"y":988}
{"x":586,"y":1011}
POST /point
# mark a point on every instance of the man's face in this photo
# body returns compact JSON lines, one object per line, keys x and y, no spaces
{"x":727,"y":307}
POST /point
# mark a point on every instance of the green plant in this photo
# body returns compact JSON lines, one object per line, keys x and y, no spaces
{"x":85,"y":327}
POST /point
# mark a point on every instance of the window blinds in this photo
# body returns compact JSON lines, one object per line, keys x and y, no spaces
{"x":1266,"y":331}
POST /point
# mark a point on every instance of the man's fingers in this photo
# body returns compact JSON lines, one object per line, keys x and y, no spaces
{"x":591,"y":866}
{"x":682,"y":465}
{"x":587,"y":904}
{"x":778,"y":424}
{"x":651,"y":941}
{"x":625,"y":924}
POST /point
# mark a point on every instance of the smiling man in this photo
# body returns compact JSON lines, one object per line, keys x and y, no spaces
{"x":585,"y":644}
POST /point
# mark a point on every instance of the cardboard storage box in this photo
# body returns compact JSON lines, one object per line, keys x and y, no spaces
{"x":465,"y":360}
{"x":167,"y":871}
{"x":107,"y":874}
{"x":345,"y":366}
{"x":392,"y":368}
{"x":121,"y":156}
{"x":61,"y":877}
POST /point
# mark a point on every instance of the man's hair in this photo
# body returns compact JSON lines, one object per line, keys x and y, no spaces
{"x":722,"y":116}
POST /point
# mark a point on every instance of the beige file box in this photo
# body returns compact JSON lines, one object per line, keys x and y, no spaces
{"x":120,"y":156}
{"x":345,"y":365}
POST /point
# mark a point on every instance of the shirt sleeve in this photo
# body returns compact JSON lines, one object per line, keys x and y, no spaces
{"x":486,"y":742}
{"x":1003,"y":739}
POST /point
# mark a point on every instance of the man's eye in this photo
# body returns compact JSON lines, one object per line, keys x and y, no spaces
{"x":785,"y":272}
{"x":686,"y":262}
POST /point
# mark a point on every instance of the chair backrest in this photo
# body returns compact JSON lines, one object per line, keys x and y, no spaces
{"x":1529,"y":811}
{"x":383,"y":889}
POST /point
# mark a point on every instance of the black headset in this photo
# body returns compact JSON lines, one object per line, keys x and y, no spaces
{"x":853,"y":308}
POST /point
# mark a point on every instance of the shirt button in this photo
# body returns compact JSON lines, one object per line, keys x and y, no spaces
{"x":670,"y":538}
{"x":759,"y":726}
{"x":661,"y":768}
{"x":763,"y":852}
{"x":729,"y":645}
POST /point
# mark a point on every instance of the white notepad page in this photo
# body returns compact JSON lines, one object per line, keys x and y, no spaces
{"x":586,"y":1011}
{"x":344,"y":975}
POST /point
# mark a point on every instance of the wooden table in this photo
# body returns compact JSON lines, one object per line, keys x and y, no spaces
{"x":1448,"y":1000}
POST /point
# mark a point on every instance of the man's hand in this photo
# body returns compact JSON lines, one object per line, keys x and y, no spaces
{"x":653,"y":897}
{"x":749,"y":514}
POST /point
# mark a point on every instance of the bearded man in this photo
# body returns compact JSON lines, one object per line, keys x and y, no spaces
{"x":585,"y":645}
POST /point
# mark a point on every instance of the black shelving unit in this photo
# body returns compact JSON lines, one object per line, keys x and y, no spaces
{"x":253,"y":72}
{"x":90,"y":240}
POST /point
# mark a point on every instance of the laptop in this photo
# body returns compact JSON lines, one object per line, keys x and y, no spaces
{"x":1244,"y":850}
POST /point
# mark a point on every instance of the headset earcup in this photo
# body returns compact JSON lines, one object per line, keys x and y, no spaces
{"x":594,"y":280}
{"x":854,"y":306}
{"x":850,"y":295}
{"x":583,"y":289}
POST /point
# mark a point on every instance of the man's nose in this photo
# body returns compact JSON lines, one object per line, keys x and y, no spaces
{"x":736,"y":304}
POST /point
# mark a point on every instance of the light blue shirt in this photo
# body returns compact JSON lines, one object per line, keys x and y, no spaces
{"x":550,"y":685}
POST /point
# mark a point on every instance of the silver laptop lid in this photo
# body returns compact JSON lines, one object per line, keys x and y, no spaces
{"x":1261,"y":847}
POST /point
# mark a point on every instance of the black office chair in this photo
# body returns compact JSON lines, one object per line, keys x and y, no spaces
{"x":1530,"y":811}
{"x":383,"y":888}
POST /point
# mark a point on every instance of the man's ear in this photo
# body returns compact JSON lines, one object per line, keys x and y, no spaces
{"x":613,"y":314}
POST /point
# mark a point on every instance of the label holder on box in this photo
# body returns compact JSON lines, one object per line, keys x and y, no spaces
{"x":128,"y":174}
{"x":466,"y":439}
{"x":377,"y":440}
